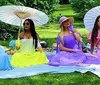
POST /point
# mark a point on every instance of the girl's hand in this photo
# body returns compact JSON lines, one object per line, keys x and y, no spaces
{"x":76,"y":50}
{"x":18,"y":44}
{"x":75,"y":31}
{"x":71,"y":28}
{"x":40,"y":49}
{"x":10,"y":52}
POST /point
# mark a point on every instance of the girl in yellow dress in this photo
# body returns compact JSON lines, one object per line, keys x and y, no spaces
{"x":29,"y":51}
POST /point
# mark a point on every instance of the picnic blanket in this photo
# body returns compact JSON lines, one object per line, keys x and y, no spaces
{"x":39,"y":69}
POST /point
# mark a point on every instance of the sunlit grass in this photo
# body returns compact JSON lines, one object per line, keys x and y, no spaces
{"x":64,"y":10}
{"x":75,"y":78}
{"x":51,"y":33}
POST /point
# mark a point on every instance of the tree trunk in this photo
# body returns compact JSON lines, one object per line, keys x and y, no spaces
{"x":64,"y":1}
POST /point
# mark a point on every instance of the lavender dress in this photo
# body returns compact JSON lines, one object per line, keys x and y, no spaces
{"x":70,"y":58}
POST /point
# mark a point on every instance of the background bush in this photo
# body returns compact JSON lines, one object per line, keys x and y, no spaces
{"x":80,"y":7}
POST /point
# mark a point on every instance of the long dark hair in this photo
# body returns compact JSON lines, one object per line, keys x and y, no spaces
{"x":94,"y":33}
{"x":33,"y":32}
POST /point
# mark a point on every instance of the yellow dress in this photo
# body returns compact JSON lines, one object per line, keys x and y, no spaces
{"x":27,"y":56}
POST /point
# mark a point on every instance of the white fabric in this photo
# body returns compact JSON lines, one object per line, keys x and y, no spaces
{"x":39,"y":69}
{"x":8,"y":15}
{"x":90,"y":17}
{"x":35,"y":70}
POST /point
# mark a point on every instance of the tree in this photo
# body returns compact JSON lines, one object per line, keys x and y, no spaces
{"x":47,"y":6}
{"x":82,"y":6}
{"x":9,"y":2}
{"x":4,"y":2}
{"x":6,"y":33}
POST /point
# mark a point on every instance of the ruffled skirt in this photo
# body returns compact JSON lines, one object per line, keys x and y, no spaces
{"x":28,"y":59}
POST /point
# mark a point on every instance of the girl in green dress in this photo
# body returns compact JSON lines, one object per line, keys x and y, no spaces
{"x":29,"y":49}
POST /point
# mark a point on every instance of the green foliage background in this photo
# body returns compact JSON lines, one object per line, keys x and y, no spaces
{"x":82,"y":6}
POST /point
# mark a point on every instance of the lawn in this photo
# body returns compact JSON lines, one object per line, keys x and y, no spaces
{"x":65,"y":10}
{"x":75,"y":78}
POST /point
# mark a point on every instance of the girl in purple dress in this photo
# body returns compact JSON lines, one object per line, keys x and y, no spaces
{"x":67,"y":52}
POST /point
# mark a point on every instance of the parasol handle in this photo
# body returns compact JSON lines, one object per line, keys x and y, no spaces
{"x":19,"y":28}
{"x":18,"y":39}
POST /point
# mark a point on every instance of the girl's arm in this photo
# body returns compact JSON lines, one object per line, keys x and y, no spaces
{"x":77,"y":36}
{"x":39,"y":47}
{"x":21,"y":35}
{"x":89,"y":39}
{"x":89,"y":36}
{"x":61,"y":47}
{"x":60,"y":43}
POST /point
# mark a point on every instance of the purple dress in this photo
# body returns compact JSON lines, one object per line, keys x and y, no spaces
{"x":70,"y":58}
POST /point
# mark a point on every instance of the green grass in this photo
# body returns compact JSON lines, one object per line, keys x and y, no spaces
{"x":48,"y":33}
{"x":4,"y":43}
{"x":75,"y":78}
{"x":65,"y":10}
{"x":78,"y":24}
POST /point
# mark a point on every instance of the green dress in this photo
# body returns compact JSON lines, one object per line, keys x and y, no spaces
{"x":27,"y":56}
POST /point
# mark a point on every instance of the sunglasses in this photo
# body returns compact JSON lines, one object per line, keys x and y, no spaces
{"x":26,"y":23}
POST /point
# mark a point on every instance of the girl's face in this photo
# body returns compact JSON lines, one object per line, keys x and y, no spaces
{"x":26,"y":25}
{"x":66,"y":23}
{"x":98,"y":23}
